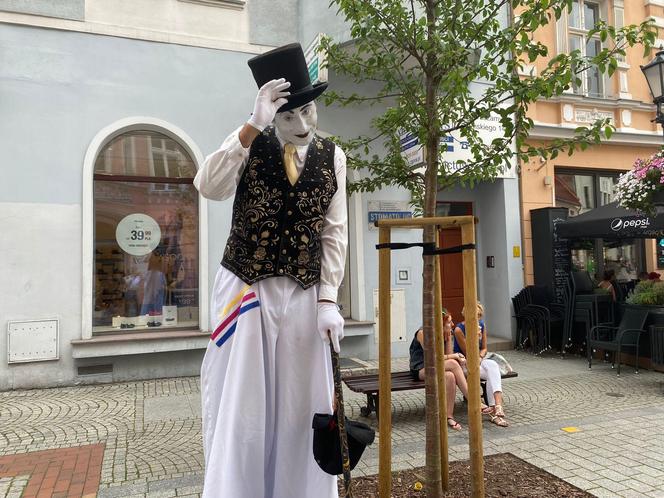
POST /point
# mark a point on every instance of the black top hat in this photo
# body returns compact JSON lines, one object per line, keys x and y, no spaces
{"x":327,"y":447}
{"x":287,"y":62}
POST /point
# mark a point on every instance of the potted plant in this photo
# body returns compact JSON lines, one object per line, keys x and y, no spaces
{"x":642,"y":188}
{"x":647,"y":293}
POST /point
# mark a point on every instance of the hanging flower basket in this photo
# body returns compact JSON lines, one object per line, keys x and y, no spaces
{"x":642,"y":188}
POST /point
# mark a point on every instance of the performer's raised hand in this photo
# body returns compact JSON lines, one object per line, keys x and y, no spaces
{"x":271,"y":96}
{"x":329,"y":319}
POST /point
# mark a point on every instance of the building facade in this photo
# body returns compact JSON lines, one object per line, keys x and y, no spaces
{"x":109,"y":252}
{"x":586,"y":179}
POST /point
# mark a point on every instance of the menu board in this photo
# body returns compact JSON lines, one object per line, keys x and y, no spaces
{"x":562,"y":261}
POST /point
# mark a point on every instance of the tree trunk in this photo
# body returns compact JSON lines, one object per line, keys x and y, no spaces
{"x":433,"y":476}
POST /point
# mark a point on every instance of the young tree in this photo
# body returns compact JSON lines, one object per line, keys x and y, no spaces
{"x":423,"y":55}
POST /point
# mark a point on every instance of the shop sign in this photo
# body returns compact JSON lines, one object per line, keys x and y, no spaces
{"x":138,"y":234}
{"x":387,"y":210}
{"x":316,"y":61}
{"x":455,"y":149}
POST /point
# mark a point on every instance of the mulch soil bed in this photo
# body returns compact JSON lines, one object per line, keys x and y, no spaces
{"x":505,"y":475}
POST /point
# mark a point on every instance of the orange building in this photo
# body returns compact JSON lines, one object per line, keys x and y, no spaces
{"x":586,"y":179}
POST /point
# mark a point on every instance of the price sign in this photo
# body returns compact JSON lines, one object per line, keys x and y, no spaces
{"x":138,"y":234}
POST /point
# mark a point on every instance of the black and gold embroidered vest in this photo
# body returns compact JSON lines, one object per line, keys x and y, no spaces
{"x":277,"y":226}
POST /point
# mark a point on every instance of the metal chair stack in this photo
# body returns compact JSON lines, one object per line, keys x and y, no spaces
{"x":535,"y":311}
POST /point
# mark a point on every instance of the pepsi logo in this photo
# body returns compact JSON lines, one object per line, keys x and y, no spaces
{"x":618,"y":224}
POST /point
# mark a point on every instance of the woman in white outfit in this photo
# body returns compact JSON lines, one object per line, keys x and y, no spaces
{"x":489,"y":369}
{"x":267,"y":367}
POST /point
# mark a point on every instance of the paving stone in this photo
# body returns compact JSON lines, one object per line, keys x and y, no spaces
{"x":189,"y":490}
{"x":559,"y":472}
{"x":652,"y":481}
{"x":152,"y":429}
{"x":603,"y":493}
{"x":611,"y":474}
{"x":610,"y":485}
{"x":630,"y":493}
{"x":121,"y":491}
{"x":639,"y":486}
{"x":161,"y":494}
{"x":579,"y":482}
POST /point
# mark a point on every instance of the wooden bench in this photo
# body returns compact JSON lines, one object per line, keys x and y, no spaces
{"x":401,"y":381}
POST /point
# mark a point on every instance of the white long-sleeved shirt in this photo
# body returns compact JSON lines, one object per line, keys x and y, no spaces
{"x":217,"y":180}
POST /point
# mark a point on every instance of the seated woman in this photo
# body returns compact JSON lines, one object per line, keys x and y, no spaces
{"x":489,"y":369}
{"x":453,"y":372}
{"x":607,"y":283}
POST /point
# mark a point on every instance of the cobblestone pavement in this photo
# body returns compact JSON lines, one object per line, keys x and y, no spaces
{"x":150,"y":432}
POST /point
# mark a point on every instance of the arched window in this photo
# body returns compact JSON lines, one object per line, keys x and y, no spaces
{"x":146,"y":243}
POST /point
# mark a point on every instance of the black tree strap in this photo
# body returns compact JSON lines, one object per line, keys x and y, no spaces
{"x":448,"y":250}
{"x":401,"y":245}
{"x":428,"y":249}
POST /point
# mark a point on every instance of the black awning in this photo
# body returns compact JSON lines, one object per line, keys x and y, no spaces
{"x":612,"y":222}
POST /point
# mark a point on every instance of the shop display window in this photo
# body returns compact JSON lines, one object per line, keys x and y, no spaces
{"x":582,"y":190}
{"x":575,"y":192}
{"x":146,"y":236}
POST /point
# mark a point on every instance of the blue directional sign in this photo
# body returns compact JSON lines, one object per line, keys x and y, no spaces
{"x":388,"y":215}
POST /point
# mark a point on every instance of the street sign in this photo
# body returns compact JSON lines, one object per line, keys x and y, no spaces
{"x":387,"y":210}
{"x":316,"y":60}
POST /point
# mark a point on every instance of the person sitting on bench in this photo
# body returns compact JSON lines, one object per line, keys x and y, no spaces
{"x":489,"y":369}
{"x":454,"y":375}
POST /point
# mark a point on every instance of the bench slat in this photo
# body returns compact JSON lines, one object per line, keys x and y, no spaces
{"x":401,"y":381}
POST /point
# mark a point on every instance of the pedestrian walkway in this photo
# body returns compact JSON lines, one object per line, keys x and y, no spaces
{"x":144,"y":438}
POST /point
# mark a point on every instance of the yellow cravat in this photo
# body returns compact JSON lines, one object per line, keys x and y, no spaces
{"x":289,"y":163}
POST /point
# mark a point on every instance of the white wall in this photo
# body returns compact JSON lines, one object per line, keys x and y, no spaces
{"x":251,"y":27}
{"x":41,"y":275}
{"x":58,"y":90}
{"x":172,"y":16}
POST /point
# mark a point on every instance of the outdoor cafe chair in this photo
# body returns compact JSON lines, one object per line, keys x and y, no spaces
{"x":583,"y":288}
{"x":627,"y":333}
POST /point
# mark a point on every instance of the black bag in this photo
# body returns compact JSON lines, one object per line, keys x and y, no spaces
{"x":327,"y":445}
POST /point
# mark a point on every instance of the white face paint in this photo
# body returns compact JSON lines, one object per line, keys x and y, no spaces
{"x":298,"y":125}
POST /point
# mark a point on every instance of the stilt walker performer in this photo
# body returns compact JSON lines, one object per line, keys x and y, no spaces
{"x":267,"y":367}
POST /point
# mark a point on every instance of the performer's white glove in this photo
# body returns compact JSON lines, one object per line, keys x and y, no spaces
{"x":330,"y":319}
{"x":270,"y":98}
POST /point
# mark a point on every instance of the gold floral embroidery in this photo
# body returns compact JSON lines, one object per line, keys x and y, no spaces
{"x":258,"y":239}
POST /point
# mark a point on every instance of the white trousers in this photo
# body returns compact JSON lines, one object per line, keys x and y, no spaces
{"x":490,"y":372}
{"x":265,"y":373}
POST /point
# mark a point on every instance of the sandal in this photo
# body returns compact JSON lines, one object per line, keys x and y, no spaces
{"x":498,"y":411}
{"x":499,"y":421}
{"x":487,"y":410}
{"x":453,"y":424}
